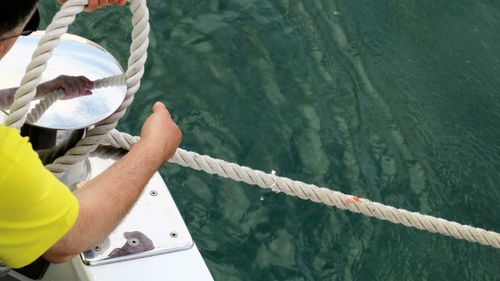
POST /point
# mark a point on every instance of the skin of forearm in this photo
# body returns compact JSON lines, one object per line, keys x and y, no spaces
{"x":105,"y":200}
{"x":7,"y":96}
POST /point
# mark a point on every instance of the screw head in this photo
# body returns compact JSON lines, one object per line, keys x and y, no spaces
{"x":174,"y":234}
{"x":153,"y":193}
{"x":133,"y":242}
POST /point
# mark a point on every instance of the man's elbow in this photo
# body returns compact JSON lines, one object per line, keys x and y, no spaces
{"x":57,"y":258}
{"x":57,"y":255}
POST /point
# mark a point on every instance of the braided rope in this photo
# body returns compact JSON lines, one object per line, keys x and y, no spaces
{"x":319,"y":194}
{"x":39,"y":109}
{"x":43,"y":105}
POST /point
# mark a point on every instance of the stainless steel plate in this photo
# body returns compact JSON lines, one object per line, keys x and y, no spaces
{"x":74,"y":56}
{"x":152,"y":227}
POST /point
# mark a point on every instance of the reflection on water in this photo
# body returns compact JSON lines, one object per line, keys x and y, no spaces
{"x":393,"y":101}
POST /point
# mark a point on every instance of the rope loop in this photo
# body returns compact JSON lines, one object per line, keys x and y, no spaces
{"x":18,"y":112}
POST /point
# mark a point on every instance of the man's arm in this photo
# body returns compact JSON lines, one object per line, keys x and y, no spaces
{"x":73,"y":86}
{"x":97,"y":4}
{"x":106,"y":199}
{"x":7,"y":98}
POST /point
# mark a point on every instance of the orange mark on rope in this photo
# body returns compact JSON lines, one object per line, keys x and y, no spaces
{"x":353,"y":199}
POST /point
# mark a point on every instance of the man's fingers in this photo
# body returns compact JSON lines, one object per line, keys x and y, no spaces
{"x":92,"y":5}
{"x":86,"y":82}
{"x":75,"y":89}
{"x":83,"y":86}
{"x":76,"y":86}
{"x":96,"y":4}
{"x":68,"y":90}
{"x":159,"y":107}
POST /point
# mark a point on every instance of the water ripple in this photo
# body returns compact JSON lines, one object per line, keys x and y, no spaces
{"x":393,"y":101}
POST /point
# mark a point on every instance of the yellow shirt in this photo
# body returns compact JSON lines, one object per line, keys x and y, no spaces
{"x":36,"y":209}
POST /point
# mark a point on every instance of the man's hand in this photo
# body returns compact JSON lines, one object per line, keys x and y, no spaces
{"x":73,"y":86}
{"x":123,"y":181}
{"x":160,"y":132}
{"x":97,"y":4}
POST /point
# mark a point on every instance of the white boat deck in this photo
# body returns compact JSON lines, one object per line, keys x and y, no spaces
{"x":175,"y":261}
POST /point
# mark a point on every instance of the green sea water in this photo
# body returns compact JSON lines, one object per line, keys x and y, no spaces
{"x":395,"y":101}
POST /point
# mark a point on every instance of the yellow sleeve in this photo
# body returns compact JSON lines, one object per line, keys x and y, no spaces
{"x":36,"y":209}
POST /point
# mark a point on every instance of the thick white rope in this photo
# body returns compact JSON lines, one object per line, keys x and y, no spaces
{"x":99,"y":134}
{"x":51,"y":98}
{"x":318,"y":194}
{"x":43,"y":105}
